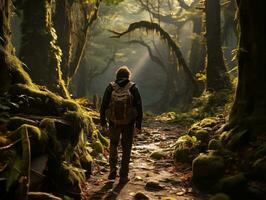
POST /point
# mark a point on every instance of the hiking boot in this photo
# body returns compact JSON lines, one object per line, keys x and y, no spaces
{"x":123,"y":179}
{"x":112,"y":175}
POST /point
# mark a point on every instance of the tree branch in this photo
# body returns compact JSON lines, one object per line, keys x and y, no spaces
{"x":151,"y":26}
{"x":152,"y":56}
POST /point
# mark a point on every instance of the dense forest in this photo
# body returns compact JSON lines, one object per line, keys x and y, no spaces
{"x":198,"y":66}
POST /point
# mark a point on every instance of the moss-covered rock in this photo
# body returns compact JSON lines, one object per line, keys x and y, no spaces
{"x":259,"y":168}
{"x":207,"y":169}
{"x":234,"y":137}
{"x":185,"y":149}
{"x":220,"y":196}
{"x":201,"y":135}
{"x":232,"y":184}
{"x":157,"y":155}
{"x":141,"y":196}
{"x":214,"y":144}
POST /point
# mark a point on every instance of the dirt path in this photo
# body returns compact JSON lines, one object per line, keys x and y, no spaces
{"x":165,"y":180}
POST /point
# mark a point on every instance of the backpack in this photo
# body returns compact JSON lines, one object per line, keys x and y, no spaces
{"x":120,"y":110}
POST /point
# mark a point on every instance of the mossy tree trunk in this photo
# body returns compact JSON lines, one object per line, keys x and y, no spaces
{"x":198,"y":52}
{"x":39,"y":50}
{"x":5,"y":44}
{"x":11,"y":71}
{"x":63,"y":26}
{"x":249,"y":109}
{"x":217,"y":77}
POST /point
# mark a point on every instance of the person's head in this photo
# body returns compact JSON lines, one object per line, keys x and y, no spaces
{"x":123,"y":73}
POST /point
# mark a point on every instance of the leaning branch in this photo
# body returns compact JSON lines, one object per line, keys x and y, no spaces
{"x":151,"y":26}
{"x":152,"y":56}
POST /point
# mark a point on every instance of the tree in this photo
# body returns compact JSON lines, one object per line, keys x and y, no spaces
{"x":192,"y":87}
{"x":11,"y":71}
{"x":249,"y":110}
{"x":39,"y":49}
{"x":217,"y":77}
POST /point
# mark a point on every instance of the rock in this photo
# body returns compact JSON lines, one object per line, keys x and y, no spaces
{"x":220,"y":196}
{"x":259,"y":168}
{"x":232,"y":184}
{"x":185,"y":149}
{"x":153,"y":186}
{"x":208,"y":122}
{"x":207,"y":169}
{"x":168,"y":198}
{"x":157,"y":155}
{"x":214,"y":144}
{"x":141,"y":196}
{"x":173,"y":181}
{"x":201,"y":134}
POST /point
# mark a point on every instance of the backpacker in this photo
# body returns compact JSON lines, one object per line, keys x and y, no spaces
{"x":120,"y":110}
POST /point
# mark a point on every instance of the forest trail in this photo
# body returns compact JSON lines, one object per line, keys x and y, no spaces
{"x":156,"y":178}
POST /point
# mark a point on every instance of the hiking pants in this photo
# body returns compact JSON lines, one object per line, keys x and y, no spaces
{"x":116,"y":131}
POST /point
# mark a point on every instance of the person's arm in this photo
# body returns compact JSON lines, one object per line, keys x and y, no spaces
{"x":137,"y":102}
{"x":105,"y":103}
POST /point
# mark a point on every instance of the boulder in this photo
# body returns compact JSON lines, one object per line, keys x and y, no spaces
{"x":220,"y":196}
{"x":185,"y":149}
{"x":157,"y":155}
{"x":153,"y":186}
{"x":215,"y":144}
{"x":232,"y":184}
{"x":259,"y":168}
{"x":141,"y":196}
{"x":207,"y":169}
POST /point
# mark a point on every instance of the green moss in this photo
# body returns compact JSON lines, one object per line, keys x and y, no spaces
{"x":141,"y":196}
{"x":208,"y":122}
{"x":220,"y":196}
{"x":105,"y":141}
{"x":97,"y":147}
{"x":185,"y":149}
{"x":234,"y":137}
{"x":232,"y":184}
{"x":214,"y":144}
{"x":169,"y":116}
{"x":157,"y":155}
{"x":207,"y":169}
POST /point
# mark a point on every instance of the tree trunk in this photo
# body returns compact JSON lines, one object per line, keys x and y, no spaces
{"x":198,"y":52}
{"x":11,"y":70}
{"x":63,"y":26}
{"x":39,"y":49}
{"x":82,"y":81}
{"x":217,"y":77}
{"x":249,"y":109}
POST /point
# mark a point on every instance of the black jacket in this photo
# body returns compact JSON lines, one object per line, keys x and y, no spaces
{"x":137,"y":103}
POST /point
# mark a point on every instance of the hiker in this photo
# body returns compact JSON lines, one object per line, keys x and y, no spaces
{"x":122,"y":108}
